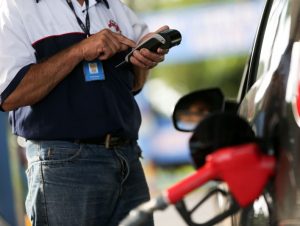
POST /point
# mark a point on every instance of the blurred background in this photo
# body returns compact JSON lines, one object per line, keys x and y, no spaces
{"x":216,"y":40}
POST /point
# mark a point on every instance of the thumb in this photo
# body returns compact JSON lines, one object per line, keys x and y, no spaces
{"x":163,"y":28}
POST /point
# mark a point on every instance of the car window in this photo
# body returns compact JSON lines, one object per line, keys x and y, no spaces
{"x":275,"y":40}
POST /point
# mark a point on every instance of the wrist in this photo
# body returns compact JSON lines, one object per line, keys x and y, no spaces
{"x":76,"y":52}
{"x":140,"y":77}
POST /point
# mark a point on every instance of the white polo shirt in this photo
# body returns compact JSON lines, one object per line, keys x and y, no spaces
{"x":31,"y":32}
{"x":23,"y":23}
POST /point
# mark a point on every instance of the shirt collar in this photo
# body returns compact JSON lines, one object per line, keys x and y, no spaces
{"x":93,"y":2}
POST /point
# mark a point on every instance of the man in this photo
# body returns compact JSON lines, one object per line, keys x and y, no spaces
{"x":58,"y":79}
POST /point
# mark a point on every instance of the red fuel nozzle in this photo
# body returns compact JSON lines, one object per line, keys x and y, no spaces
{"x":244,"y":168}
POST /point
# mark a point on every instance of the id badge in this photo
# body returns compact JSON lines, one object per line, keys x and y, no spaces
{"x":93,"y":71}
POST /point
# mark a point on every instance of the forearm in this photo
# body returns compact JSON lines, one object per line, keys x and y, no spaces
{"x":140,"y":77}
{"x":41,"y":78}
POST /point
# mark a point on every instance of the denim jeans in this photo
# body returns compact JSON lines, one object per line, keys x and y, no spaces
{"x":83,"y":185}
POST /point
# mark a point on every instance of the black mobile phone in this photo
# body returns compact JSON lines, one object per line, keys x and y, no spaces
{"x":165,"y":40}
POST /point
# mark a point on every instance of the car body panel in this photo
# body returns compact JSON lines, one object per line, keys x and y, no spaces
{"x":268,"y":101}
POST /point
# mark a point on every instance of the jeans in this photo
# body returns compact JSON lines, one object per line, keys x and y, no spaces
{"x":83,"y":185}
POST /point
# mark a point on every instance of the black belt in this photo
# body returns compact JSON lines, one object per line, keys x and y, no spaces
{"x":108,"y":141}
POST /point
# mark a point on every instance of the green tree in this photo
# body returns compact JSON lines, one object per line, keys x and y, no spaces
{"x":225,"y":73}
{"x":142,"y":5}
{"x":222,"y":72}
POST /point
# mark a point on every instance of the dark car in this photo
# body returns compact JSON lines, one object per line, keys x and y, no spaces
{"x":269,"y":101}
{"x":266,"y":112}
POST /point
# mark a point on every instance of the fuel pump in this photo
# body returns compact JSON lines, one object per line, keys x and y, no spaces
{"x":238,"y":160}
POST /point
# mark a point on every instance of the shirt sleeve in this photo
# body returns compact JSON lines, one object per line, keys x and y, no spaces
{"x":139,"y":27}
{"x":16,"y":51}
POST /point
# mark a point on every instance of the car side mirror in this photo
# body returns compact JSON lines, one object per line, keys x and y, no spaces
{"x":219,"y":130}
{"x":194,"y":107}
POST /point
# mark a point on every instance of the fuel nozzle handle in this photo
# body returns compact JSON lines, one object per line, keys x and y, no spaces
{"x":244,"y":168}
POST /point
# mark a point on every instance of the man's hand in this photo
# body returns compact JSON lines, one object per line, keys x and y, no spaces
{"x":146,"y":59}
{"x":104,"y":45}
{"x":41,"y":78}
{"x":143,"y":60}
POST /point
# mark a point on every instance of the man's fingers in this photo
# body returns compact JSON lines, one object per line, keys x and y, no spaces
{"x":163,"y":28}
{"x":137,"y":63}
{"x":141,"y":58}
{"x":146,"y":59}
{"x":125,"y":41}
{"x":112,"y":42}
{"x":162,"y":51}
{"x":151,"y":56}
{"x":118,"y":39}
{"x":106,"y":53}
{"x":105,"y":44}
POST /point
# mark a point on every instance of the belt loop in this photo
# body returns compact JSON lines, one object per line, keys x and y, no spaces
{"x":107,"y":140}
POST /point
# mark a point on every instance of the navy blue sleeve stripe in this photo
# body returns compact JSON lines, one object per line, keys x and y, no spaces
{"x":14,"y":83}
{"x":57,"y":36}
